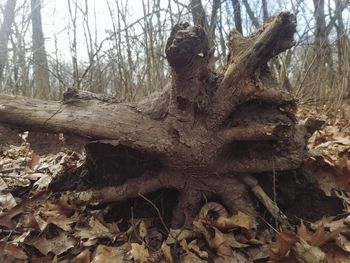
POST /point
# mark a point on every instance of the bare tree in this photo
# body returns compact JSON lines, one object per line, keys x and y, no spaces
{"x":264,"y":9}
{"x":342,"y":37}
{"x":200,"y":18}
{"x":5,"y":30}
{"x":343,"y":46}
{"x":237,"y":15}
{"x":41,"y":72}
{"x":321,"y":38}
{"x":251,"y":14}
{"x":73,"y":44}
{"x":21,"y":62}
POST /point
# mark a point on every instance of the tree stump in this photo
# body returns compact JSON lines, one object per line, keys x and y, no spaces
{"x":201,"y":136}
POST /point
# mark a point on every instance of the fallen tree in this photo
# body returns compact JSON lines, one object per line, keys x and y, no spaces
{"x":204,"y":136}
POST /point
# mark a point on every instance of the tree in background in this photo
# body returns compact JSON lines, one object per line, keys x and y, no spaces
{"x":5,"y":31}
{"x":40,"y":65}
{"x":237,"y":15}
{"x":322,"y":49}
{"x":199,"y":17}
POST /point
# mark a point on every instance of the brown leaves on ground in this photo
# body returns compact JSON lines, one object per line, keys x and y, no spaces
{"x":316,"y":246}
{"x":330,"y":148}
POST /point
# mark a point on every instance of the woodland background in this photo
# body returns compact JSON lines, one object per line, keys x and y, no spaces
{"x":127,"y":60}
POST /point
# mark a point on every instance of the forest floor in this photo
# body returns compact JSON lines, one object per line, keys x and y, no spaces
{"x":37,"y":225}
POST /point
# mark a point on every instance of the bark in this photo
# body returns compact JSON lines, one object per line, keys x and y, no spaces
{"x":264,"y":9}
{"x":5,"y":30}
{"x":80,"y":116}
{"x":41,"y":73}
{"x":320,"y":23}
{"x":237,"y":15}
{"x":249,"y":56}
{"x":342,"y":38}
{"x":201,"y":136}
{"x":199,"y":14}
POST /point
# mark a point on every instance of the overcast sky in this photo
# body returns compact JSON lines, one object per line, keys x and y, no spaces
{"x":56,"y":19}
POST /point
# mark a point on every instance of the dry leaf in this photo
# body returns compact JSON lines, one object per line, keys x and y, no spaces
{"x":336,"y":255}
{"x":238,"y":220}
{"x":309,"y":254}
{"x":284,"y":242}
{"x":20,"y":239}
{"x":54,"y":214}
{"x":320,"y":237}
{"x":83,"y":257}
{"x":258,"y":253}
{"x":105,"y":254}
{"x":94,"y":231}
{"x":6,"y":218}
{"x":236,"y":257}
{"x":192,"y":247}
{"x":167,"y":252}
{"x":6,"y":199}
{"x":143,"y":230}
{"x":34,"y":160}
{"x":223,"y":243}
{"x":192,"y":258}
{"x":139,"y":252}
{"x":42,"y":224}
{"x":48,"y":259}
{"x":56,"y":245}
{"x":176,"y":235}
{"x":43,"y":182}
{"x":343,"y":242}
{"x":27,"y":220}
{"x":9,"y":249}
{"x":195,"y":248}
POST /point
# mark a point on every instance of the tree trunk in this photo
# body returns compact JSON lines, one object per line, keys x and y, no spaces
{"x":237,"y":15}
{"x":323,"y":70}
{"x":41,"y":68}
{"x":5,"y":30}
{"x":203,"y":136}
{"x":264,"y":9}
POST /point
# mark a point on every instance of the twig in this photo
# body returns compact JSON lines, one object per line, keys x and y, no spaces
{"x":274,"y":182}
{"x":9,"y":231}
{"x":157,"y":210}
{"x":270,"y":205}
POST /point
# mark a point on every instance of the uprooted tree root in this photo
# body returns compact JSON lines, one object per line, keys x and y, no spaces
{"x":147,"y":179}
{"x":114,"y":173}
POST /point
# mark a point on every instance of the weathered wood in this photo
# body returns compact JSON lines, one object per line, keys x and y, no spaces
{"x":246,"y":75}
{"x":89,"y":118}
{"x":188,"y":54}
